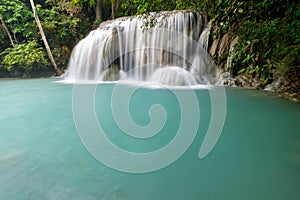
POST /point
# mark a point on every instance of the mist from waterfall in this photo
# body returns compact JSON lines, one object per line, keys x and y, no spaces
{"x":172,"y":51}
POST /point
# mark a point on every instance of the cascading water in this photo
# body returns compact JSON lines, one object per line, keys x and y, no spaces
{"x":169,"y":48}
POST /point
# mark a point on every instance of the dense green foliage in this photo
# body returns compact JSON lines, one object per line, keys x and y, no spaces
{"x":27,"y":56}
{"x":269,"y":41}
{"x":64,"y":26}
{"x":268,"y":31}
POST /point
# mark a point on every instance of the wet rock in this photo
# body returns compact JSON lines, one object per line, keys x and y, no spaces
{"x":246,"y":80}
{"x":231,"y":48}
{"x":293,"y":95}
{"x":295,"y":99}
{"x":242,"y":80}
{"x":224,"y":45}
{"x":229,"y":82}
{"x":214,"y":47}
{"x":112,"y":74}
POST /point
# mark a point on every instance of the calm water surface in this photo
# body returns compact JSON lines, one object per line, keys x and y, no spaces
{"x":41,"y":156}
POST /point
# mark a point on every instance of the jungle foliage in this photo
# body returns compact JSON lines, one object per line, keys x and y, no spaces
{"x":268,"y":31}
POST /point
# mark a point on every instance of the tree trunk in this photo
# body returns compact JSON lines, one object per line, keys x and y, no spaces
{"x":113,"y":10}
{"x":98,"y":11}
{"x":114,"y":7}
{"x":58,"y":71}
{"x":7,"y":32}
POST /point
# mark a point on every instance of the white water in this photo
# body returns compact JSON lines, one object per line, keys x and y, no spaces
{"x":125,"y":49}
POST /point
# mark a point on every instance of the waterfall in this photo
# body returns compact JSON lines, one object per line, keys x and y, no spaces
{"x":166,"y":47}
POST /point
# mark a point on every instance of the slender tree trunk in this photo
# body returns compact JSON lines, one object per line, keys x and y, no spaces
{"x":114,"y":6}
{"x":58,"y":71}
{"x":113,"y":9}
{"x":98,"y":11}
{"x":15,"y":37}
{"x":7,"y":32}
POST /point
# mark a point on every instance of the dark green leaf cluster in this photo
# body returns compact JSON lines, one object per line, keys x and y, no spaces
{"x":64,"y":25}
{"x":269,"y":42}
{"x":27,"y":56}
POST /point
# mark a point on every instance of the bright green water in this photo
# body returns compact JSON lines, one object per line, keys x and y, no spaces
{"x":41,"y":156}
